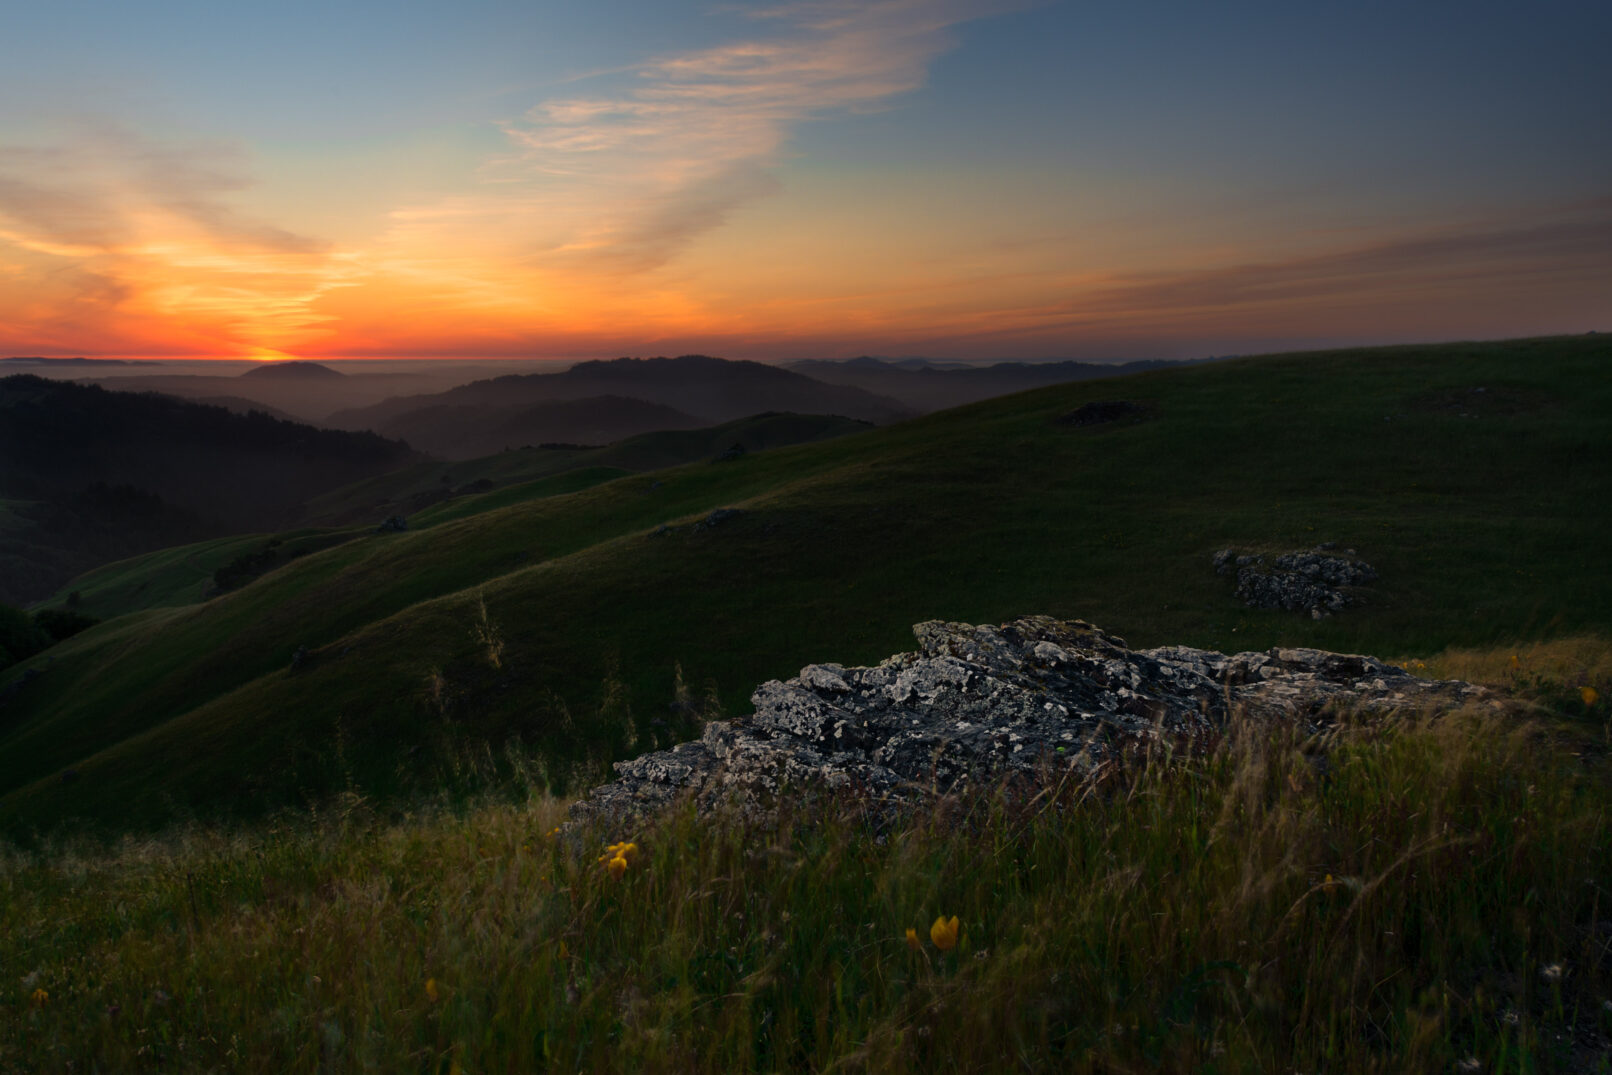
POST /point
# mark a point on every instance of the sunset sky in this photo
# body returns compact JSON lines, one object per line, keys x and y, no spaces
{"x":817,"y":179}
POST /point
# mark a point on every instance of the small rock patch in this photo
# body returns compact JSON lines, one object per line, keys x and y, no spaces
{"x":1318,"y":581}
{"x":1100,"y":411}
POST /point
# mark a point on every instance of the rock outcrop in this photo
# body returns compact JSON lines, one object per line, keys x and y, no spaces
{"x":1102,"y":411}
{"x":976,"y":704}
{"x":1315,"y":580}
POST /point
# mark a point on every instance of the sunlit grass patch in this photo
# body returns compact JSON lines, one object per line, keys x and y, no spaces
{"x":1569,"y":677}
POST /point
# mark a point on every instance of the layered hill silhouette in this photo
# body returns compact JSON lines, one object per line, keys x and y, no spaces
{"x":89,"y":475}
{"x":703,"y":389}
{"x":598,"y":623}
{"x":308,"y":391}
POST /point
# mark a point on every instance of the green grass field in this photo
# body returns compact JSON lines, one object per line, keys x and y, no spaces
{"x":1434,"y":900}
{"x":311,"y":824}
{"x":561,"y":623}
{"x":179,"y":576}
{"x":372,"y":500}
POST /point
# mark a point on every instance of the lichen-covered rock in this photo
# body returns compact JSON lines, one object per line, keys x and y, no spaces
{"x":975,"y":704}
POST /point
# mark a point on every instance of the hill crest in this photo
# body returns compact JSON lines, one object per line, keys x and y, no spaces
{"x":292,"y":371}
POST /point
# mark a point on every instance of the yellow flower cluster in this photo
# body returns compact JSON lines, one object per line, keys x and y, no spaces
{"x":39,"y":998}
{"x":618,"y":857}
{"x":943,"y":933}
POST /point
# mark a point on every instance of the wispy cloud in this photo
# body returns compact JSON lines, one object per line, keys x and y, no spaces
{"x":90,"y":191}
{"x":1412,"y":281}
{"x":1576,"y":244}
{"x":119,"y":230}
{"x":625,"y":180}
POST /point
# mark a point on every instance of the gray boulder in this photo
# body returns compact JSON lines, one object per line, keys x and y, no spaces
{"x":974,"y":705}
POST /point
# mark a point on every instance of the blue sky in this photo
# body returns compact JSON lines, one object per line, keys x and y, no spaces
{"x":761,"y":179}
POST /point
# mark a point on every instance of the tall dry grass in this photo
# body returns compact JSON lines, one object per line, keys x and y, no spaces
{"x":1407,"y":896}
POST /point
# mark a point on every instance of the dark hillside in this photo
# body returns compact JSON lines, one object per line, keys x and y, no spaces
{"x":107,"y":474}
{"x":1470,"y":476}
{"x":426,"y":484}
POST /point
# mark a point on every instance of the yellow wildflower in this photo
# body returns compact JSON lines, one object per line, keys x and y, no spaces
{"x":1515,"y":662}
{"x":1589,"y":694}
{"x":618,"y":857}
{"x":432,"y":993}
{"x":912,"y":939}
{"x":39,"y":998}
{"x":944,"y":933}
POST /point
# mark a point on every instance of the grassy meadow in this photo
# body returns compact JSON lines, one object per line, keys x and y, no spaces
{"x":559,"y":628}
{"x":1434,"y":897}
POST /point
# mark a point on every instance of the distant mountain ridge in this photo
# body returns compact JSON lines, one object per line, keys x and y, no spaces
{"x":48,"y":363}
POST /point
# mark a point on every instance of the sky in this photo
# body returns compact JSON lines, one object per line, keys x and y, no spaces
{"x":823,"y":178}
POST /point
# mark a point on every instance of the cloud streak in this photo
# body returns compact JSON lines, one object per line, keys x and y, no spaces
{"x":122,"y":235}
{"x":627,"y":180}
{"x":1576,"y":245}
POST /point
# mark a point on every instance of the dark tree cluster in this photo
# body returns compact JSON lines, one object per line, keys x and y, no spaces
{"x":89,"y":475}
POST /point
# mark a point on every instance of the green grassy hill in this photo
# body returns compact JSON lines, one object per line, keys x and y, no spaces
{"x":563,"y":621}
{"x":184,"y":574}
{"x":406,"y":491}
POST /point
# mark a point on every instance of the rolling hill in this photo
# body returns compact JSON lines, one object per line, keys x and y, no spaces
{"x":927,"y":387}
{"x":1469,"y":475}
{"x":427,"y":493}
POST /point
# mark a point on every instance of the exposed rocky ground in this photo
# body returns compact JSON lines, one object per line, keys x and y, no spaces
{"x":976,"y":704}
{"x":1317,"y":581}
{"x":1102,"y":411}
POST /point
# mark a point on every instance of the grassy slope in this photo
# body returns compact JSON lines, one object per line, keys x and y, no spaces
{"x":181,"y":575}
{"x":1483,"y":528}
{"x":374,"y":499}
{"x":1210,"y":914}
